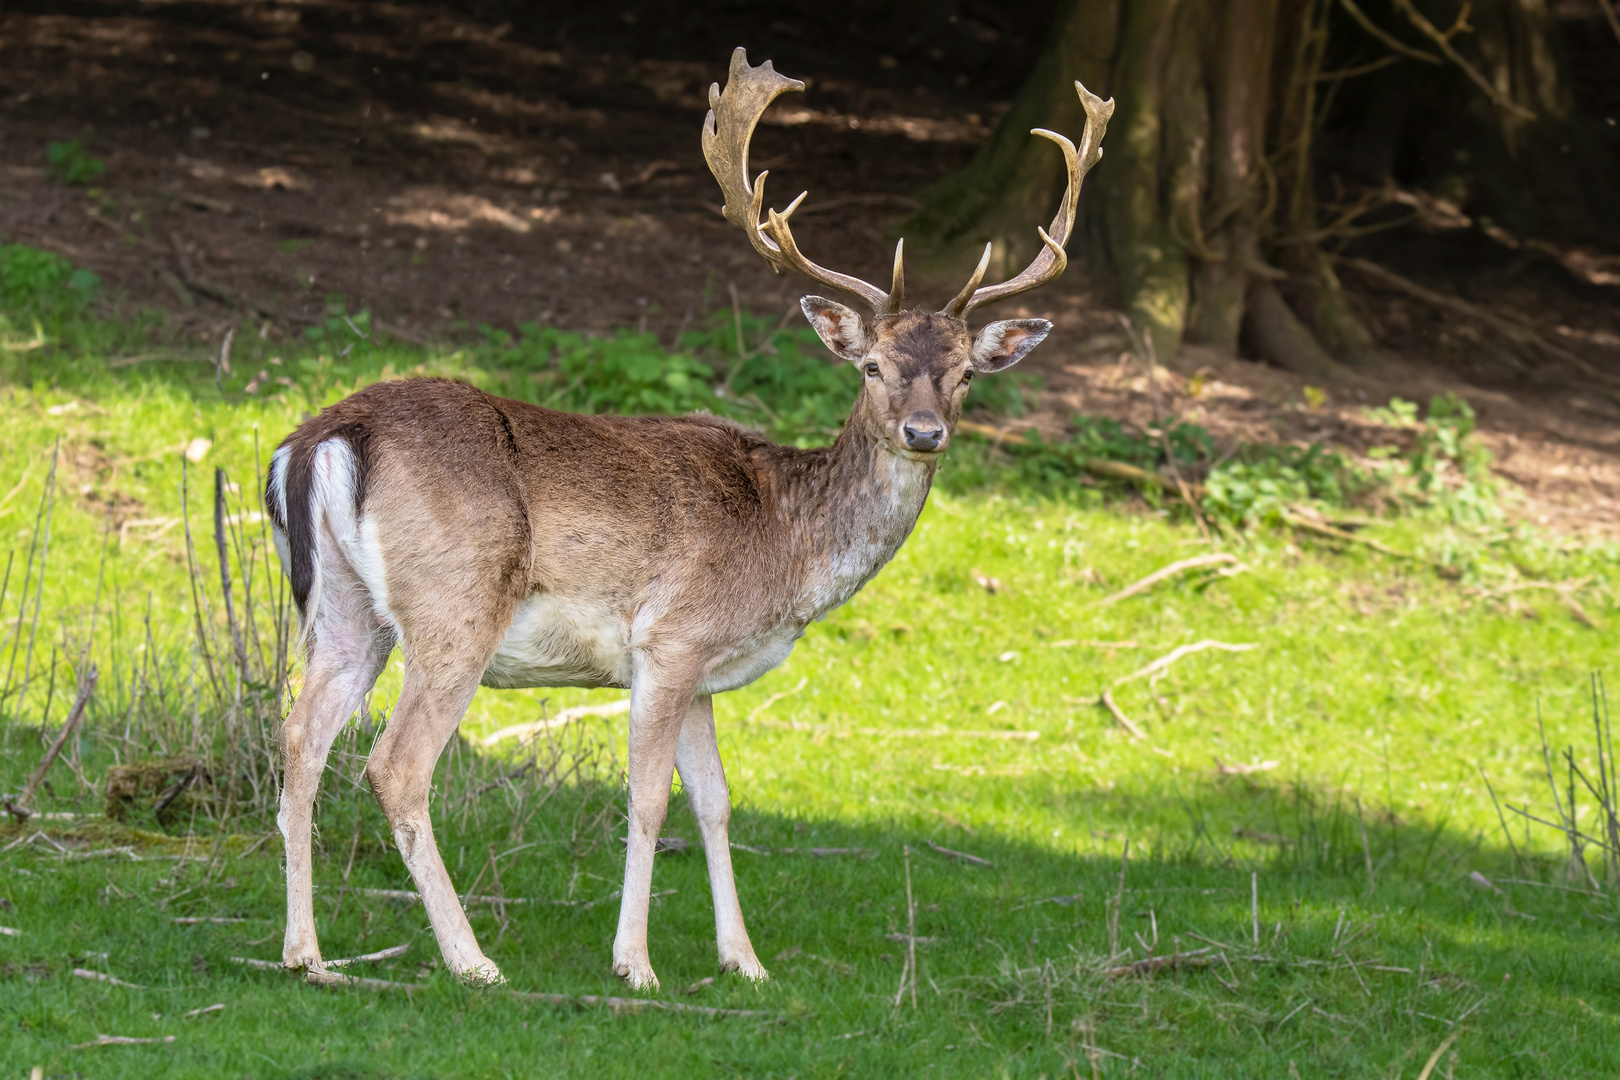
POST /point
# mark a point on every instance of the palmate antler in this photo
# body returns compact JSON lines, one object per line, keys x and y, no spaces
{"x":729,"y":127}
{"x":726,"y":134}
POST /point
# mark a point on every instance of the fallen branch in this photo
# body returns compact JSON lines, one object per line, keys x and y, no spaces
{"x":1212,"y":559}
{"x":1566,"y":591}
{"x":120,"y":1040}
{"x":818,"y":852}
{"x":1323,"y":529}
{"x":959,"y":855}
{"x":619,"y":1005}
{"x":101,"y":976}
{"x":260,"y":965}
{"x":198,"y":921}
{"x":1107,"y":701}
{"x":19,"y":809}
{"x":616,"y":1005}
{"x":204,"y":1011}
{"x":1177,"y":653}
{"x":1154,"y":964}
{"x":529,"y":730}
{"x":98,"y":853}
{"x":371,"y":957}
{"x":408,"y":896}
{"x":322,"y":977}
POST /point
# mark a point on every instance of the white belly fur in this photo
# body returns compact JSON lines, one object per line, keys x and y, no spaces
{"x":553,"y":642}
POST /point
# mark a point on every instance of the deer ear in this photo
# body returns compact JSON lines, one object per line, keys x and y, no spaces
{"x":1002,"y":344}
{"x":840,"y":329}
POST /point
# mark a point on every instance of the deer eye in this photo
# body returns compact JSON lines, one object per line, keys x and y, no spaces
{"x":967,"y":376}
{"x":871,"y":371}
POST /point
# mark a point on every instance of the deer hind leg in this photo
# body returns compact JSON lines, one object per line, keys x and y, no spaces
{"x":697,"y":756}
{"x":346,"y":655}
{"x":430,"y":708}
{"x":658,"y":709}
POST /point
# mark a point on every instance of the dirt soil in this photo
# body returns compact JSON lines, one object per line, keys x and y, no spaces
{"x":447,"y":170}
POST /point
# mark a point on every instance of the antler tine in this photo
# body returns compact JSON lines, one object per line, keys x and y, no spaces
{"x":1052,"y":260}
{"x":727,"y":131}
{"x":959,"y":305}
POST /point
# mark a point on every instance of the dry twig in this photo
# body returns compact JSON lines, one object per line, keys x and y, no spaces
{"x":19,"y":809}
{"x":371,"y":957}
{"x":1320,"y":528}
{"x":959,"y":855}
{"x":120,"y":1040}
{"x":1107,"y":701}
{"x":1178,"y":652}
{"x":1154,"y":964}
{"x":101,"y":976}
{"x":529,"y":730}
{"x":1214,"y":558}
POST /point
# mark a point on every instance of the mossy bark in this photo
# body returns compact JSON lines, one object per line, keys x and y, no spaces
{"x":1152,"y":265}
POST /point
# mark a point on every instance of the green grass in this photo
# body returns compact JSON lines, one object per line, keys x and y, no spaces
{"x":1378,"y":687}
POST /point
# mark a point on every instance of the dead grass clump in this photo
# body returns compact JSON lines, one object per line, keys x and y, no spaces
{"x":174,"y":790}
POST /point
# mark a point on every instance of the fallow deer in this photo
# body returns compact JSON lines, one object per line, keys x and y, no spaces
{"x":500,"y":543}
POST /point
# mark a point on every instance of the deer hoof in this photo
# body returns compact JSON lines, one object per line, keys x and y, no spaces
{"x":485,"y":974}
{"x":638,"y":973}
{"x":748,"y":966}
{"x":301,"y":960}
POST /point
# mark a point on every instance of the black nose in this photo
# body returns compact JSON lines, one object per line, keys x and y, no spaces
{"x":923,"y":433}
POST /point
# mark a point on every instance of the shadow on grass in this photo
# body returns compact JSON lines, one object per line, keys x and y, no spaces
{"x":1284,"y":952}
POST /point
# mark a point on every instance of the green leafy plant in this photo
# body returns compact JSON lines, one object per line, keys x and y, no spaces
{"x":626,"y":372}
{"x":1259,"y":484}
{"x":1450,"y":465}
{"x":31,"y":278}
{"x":71,"y":163}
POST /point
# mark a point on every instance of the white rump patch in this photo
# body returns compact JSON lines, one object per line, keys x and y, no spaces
{"x":276,"y":494}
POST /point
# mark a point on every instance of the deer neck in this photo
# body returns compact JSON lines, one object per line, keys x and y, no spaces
{"x":858,"y":503}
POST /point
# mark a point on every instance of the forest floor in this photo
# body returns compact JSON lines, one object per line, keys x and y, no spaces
{"x":445,"y":173}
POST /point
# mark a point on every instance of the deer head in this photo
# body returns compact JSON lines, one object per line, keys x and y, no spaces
{"x":916,"y":363}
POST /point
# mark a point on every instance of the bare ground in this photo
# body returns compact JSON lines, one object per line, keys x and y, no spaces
{"x":446,"y":172}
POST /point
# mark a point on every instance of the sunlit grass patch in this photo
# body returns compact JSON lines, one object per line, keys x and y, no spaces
{"x":1303,"y":808}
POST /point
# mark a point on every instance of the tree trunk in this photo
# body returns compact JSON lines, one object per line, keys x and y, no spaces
{"x":1014,"y":182}
{"x":1207,"y":198}
{"x":1152,"y":265}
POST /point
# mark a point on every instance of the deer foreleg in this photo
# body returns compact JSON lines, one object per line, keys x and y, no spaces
{"x":697,"y":756}
{"x":656,"y":715}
